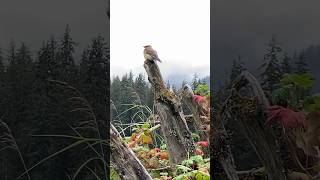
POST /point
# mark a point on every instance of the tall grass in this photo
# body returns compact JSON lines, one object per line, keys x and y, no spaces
{"x":9,"y":142}
{"x":80,"y":104}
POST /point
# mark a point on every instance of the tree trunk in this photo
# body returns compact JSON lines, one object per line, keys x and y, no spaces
{"x":123,"y":159}
{"x":248,"y":105}
{"x":173,"y":124}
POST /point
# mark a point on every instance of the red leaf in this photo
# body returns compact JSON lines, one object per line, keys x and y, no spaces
{"x":198,"y":98}
{"x":199,"y":152}
{"x":203,"y":143}
{"x":288,"y":117}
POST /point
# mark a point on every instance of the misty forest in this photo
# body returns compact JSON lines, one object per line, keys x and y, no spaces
{"x":49,"y":100}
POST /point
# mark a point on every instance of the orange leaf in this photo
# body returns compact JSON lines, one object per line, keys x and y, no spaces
{"x":133,"y":137}
{"x":163,"y":155}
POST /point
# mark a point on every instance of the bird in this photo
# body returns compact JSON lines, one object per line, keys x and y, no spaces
{"x":150,"y":54}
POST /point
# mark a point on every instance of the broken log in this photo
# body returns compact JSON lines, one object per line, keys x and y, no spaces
{"x":187,"y":97}
{"x":220,"y":143}
{"x":123,"y":159}
{"x":173,"y":124}
{"x":248,"y":104}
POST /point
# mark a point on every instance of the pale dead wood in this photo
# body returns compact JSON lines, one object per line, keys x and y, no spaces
{"x":123,"y":159}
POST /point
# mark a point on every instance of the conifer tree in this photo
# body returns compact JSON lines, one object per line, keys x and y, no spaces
{"x":2,"y":68}
{"x":94,"y":82}
{"x":42,"y":114}
{"x":168,"y":84}
{"x":115,"y":94}
{"x":52,"y":48}
{"x":3,"y":85}
{"x":93,"y":70}
{"x":140,"y":87}
{"x":17,"y":116}
{"x":301,"y":63}
{"x":195,"y":81}
{"x":285,"y":64}
{"x":67,"y":69}
{"x":271,"y":70}
{"x":237,"y":68}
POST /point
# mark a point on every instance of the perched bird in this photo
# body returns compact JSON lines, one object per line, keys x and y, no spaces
{"x":150,"y":54}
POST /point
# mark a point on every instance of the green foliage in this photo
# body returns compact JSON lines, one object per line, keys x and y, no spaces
{"x":304,"y":81}
{"x":114,"y":175}
{"x":195,"y":167}
{"x":196,"y":174}
{"x":281,"y":94}
{"x":203,"y":90}
{"x":294,"y":90}
{"x":312,"y":104}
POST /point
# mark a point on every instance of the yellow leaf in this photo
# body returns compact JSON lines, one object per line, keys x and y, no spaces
{"x":145,"y":139}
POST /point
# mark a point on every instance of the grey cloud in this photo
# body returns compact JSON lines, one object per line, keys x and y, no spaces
{"x":244,"y":27}
{"x":33,"y":21}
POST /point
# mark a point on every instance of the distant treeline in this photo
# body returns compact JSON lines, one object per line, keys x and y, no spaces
{"x":34,"y":100}
{"x":287,"y":62}
{"x":129,"y":90}
{"x":276,"y":62}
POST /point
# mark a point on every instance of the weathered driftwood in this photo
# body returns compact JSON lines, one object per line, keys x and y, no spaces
{"x":173,"y":124}
{"x":249,"y":105}
{"x":187,"y":97}
{"x":123,"y":159}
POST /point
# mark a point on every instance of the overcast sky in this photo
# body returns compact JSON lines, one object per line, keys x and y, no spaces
{"x":179,"y":30}
{"x":244,"y":27}
{"x":34,"y":21}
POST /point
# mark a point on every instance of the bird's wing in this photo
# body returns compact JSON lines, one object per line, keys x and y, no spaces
{"x":152,"y":53}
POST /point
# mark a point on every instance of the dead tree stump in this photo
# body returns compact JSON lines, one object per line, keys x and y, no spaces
{"x":248,"y":105}
{"x":187,"y":97}
{"x":221,"y":150}
{"x":123,"y":159}
{"x":173,"y":124}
